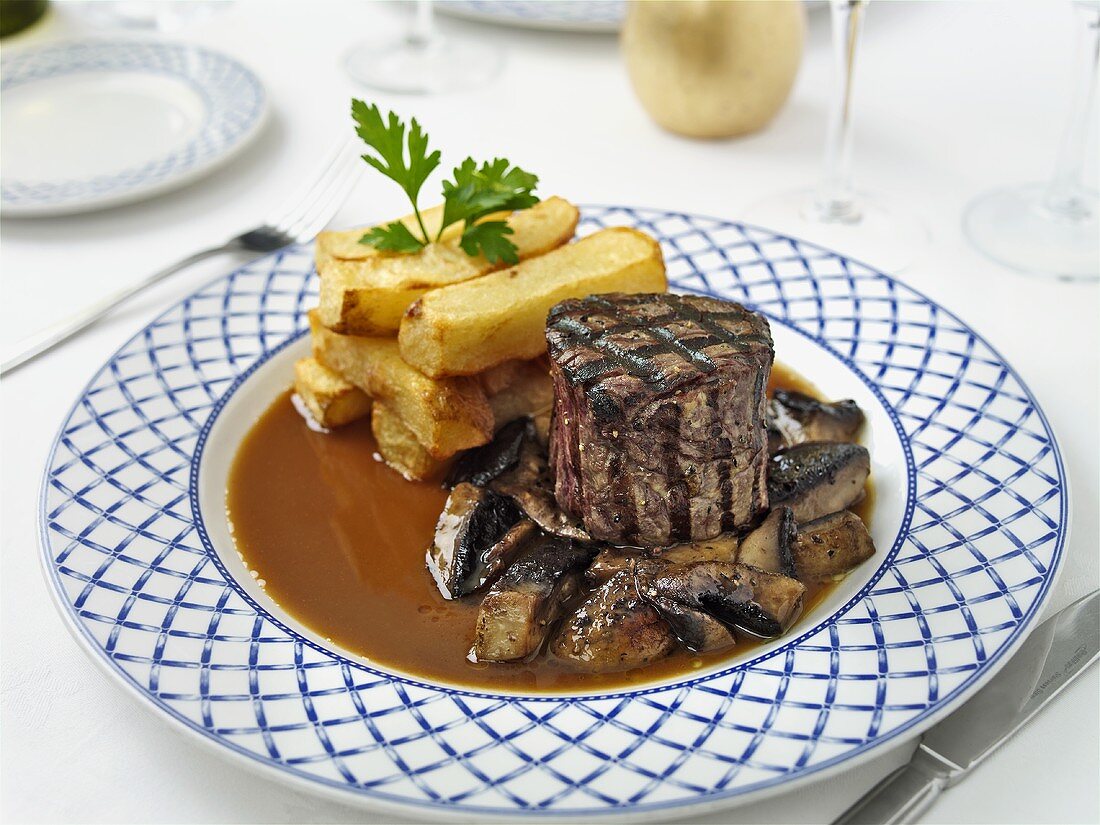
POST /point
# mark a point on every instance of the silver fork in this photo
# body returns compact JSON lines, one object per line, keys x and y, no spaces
{"x":295,"y":222}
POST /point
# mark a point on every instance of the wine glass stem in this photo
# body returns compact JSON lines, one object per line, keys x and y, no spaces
{"x":834,"y":200}
{"x":423,"y":32}
{"x":1063,"y":193}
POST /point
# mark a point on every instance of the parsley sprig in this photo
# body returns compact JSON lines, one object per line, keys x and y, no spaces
{"x":475,"y":191}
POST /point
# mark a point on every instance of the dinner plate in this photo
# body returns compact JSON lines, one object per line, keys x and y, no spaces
{"x":555,"y":15}
{"x":970,"y":524}
{"x":95,"y":124}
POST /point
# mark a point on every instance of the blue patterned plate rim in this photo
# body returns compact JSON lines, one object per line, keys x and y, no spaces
{"x":233,"y":115}
{"x":589,"y":16}
{"x":393,"y":802}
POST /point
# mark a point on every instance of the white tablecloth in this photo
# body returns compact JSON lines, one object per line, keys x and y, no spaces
{"x":952,"y":99}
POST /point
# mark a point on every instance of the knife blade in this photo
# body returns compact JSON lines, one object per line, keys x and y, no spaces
{"x":1051,"y":657}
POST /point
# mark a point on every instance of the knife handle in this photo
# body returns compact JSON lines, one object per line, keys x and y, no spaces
{"x":903,"y":795}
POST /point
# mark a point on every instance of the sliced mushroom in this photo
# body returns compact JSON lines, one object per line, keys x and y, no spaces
{"x":523,"y":603}
{"x":776,"y":602}
{"x":474,"y":539}
{"x":482,"y":464}
{"x":817,"y":479}
{"x":762,"y":603}
{"x":529,"y":483}
{"x":768,"y":547}
{"x":796,"y":418}
{"x":613,"y":629}
{"x":721,"y":548}
{"x":609,"y":561}
{"x":669,"y":592}
{"x":831,"y":546}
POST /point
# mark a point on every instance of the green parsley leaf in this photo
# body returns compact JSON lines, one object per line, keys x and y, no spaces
{"x":396,"y":237}
{"x":479,"y":191}
{"x":387,"y":139}
{"x":475,"y":192}
{"x":517,"y":184}
{"x":495,"y":187}
{"x":489,"y":239}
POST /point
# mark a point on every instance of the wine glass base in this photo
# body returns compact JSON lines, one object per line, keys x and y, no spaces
{"x":873,"y":233}
{"x":415,"y":67}
{"x":1016,"y":228}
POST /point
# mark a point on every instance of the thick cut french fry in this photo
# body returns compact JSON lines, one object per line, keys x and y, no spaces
{"x":466,"y":328}
{"x":521,"y":388}
{"x":501,"y":376}
{"x":343,"y":244}
{"x":330,"y":399}
{"x":528,"y":392}
{"x":399,"y":447}
{"x":368,"y":295}
{"x":446,"y":416}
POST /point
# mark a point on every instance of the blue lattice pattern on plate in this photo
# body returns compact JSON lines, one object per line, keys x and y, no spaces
{"x":986,"y":534}
{"x":232,"y":96}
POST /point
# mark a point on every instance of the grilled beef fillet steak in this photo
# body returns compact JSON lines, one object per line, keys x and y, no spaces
{"x":658,"y":429}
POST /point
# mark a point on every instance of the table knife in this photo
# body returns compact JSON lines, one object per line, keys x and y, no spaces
{"x":1053,"y":655}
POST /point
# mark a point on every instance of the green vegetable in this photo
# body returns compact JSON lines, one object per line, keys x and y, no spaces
{"x":473,"y":193}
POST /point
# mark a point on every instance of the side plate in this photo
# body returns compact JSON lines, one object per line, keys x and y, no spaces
{"x":93,"y":124}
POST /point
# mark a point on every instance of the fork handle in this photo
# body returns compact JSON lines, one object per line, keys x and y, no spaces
{"x":46,"y":339}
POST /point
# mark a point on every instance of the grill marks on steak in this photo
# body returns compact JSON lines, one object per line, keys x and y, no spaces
{"x":658,"y":340}
{"x":658,"y":426}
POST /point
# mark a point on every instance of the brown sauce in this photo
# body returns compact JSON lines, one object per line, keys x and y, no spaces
{"x":337,"y":539}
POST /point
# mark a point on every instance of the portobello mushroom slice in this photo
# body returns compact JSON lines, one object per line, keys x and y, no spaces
{"x":768,"y":547}
{"x":482,"y":464}
{"x":831,"y":546}
{"x":693,"y":627}
{"x":817,"y":479}
{"x":613,"y":629}
{"x":477,"y":534}
{"x":720,"y":548}
{"x":528,"y":482}
{"x":776,"y":602}
{"x":762,"y":603}
{"x":609,"y":561}
{"x":796,"y":418}
{"x":523,"y":603}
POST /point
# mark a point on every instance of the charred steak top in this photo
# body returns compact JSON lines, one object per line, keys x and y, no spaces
{"x":658,"y":427}
{"x":619,"y":346}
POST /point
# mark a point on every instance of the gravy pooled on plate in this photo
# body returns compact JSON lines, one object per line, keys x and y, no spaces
{"x":338,"y":539}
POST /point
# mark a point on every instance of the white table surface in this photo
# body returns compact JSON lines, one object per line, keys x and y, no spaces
{"x":953,"y":99}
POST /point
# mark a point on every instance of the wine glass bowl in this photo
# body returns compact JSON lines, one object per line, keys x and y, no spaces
{"x":1021,"y":228}
{"x":424,"y":61}
{"x":1051,"y":229}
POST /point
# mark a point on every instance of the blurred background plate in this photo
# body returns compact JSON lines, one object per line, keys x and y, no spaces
{"x":557,"y":15}
{"x":95,"y":124}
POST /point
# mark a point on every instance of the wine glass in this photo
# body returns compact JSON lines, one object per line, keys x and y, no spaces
{"x":423,"y":62}
{"x":1051,"y":229}
{"x":869,"y":227}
